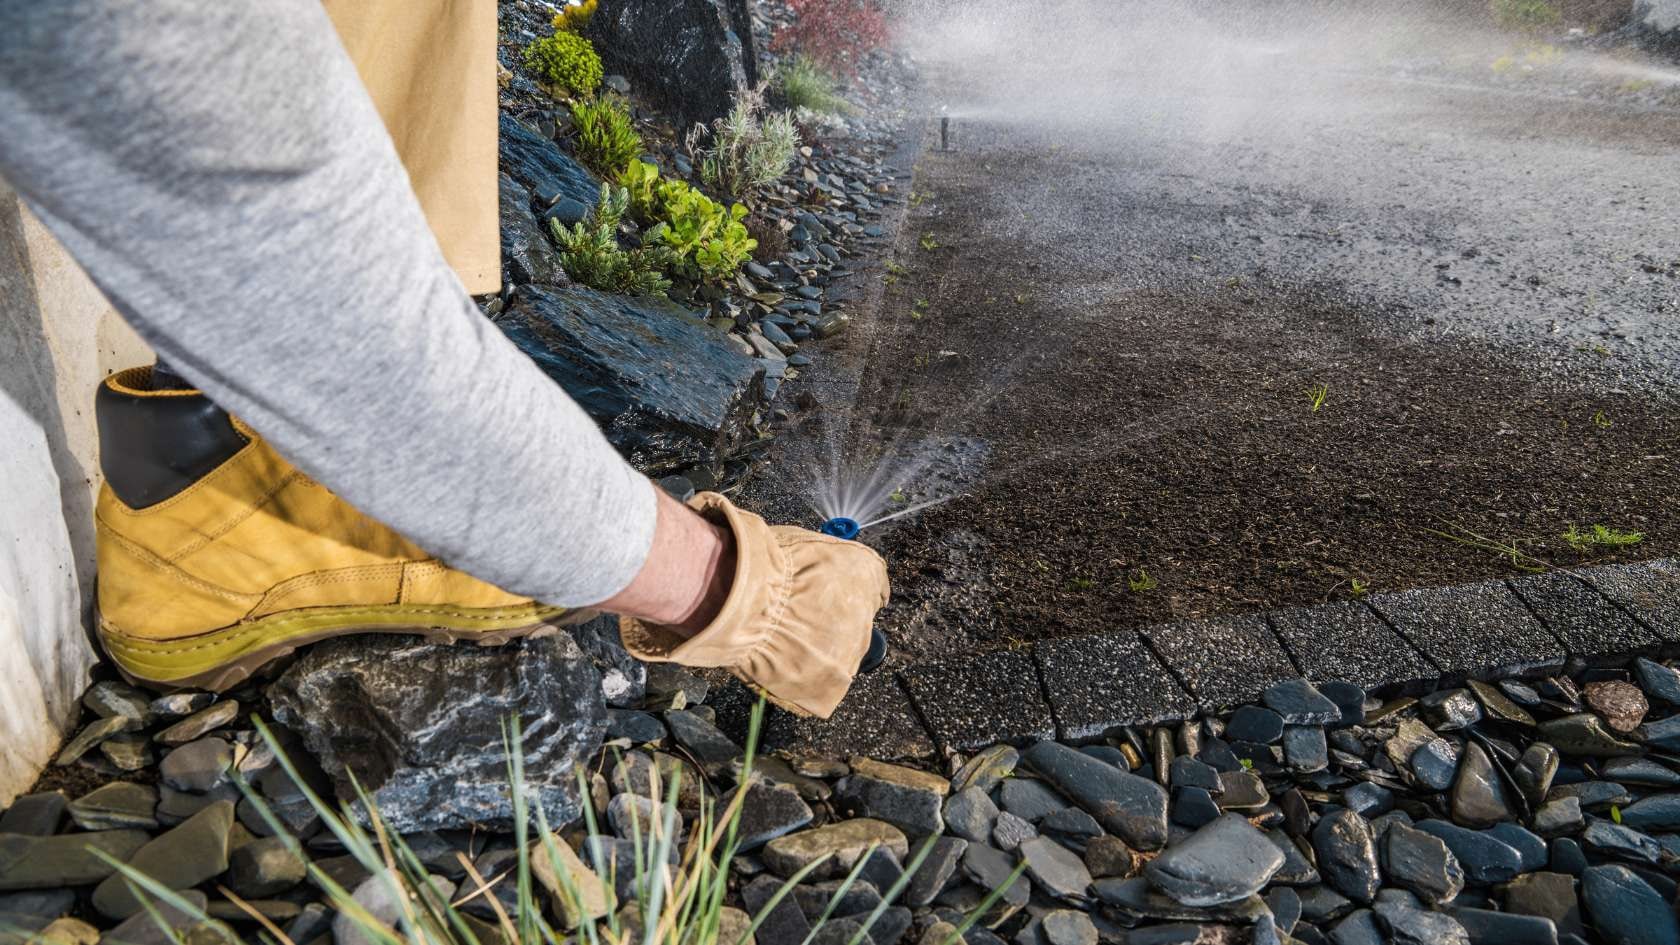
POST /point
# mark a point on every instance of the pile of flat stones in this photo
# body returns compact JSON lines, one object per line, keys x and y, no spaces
{"x":1523,"y":811}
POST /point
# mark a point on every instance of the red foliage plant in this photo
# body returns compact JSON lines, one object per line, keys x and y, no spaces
{"x":836,"y":34}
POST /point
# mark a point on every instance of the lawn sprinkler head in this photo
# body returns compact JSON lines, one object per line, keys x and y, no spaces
{"x":841,"y":527}
{"x":848,"y":529}
{"x":945,"y":132}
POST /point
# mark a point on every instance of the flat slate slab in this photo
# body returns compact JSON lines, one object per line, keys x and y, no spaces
{"x":1589,"y":625}
{"x":973,"y":701}
{"x":874,"y":719}
{"x":1347,"y":640}
{"x":1103,"y":680}
{"x":1472,"y":630}
{"x":1224,"y":660}
{"x":1650,"y":591}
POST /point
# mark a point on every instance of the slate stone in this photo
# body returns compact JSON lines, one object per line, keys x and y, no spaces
{"x":1659,"y":681}
{"x":1559,"y":817}
{"x":1242,"y":790}
{"x":1484,"y":858}
{"x":1435,"y":763}
{"x":1624,"y":908}
{"x":1304,"y":749}
{"x":1068,"y":927}
{"x":1641,"y":771}
{"x":527,"y":253}
{"x":989,"y":868}
{"x":35,"y":862}
{"x":1225,"y":660}
{"x":1451,"y":710}
{"x":264,"y":868}
{"x":1057,"y":871}
{"x":986,"y":769}
{"x":1300,"y":703}
{"x":180,"y":858}
{"x":91,"y":735}
{"x":1350,"y":698}
{"x":1531,"y":849}
{"x":197,"y":766}
{"x":1487,"y":927}
{"x":640,"y":728}
{"x":1011,"y":831}
{"x":842,"y":842}
{"x":1663,"y":734}
{"x":1649,"y":590}
{"x":1478,"y":794}
{"x":113,"y":697}
{"x":970,"y":814}
{"x":783,"y":925}
{"x":1472,"y":630}
{"x":35,"y":815}
{"x":1621,"y":842}
{"x":1194,"y":807}
{"x":1358,"y":928}
{"x":116,"y":806}
{"x":1585,"y":734}
{"x":936,"y":870}
{"x":613,"y":353}
{"x":1226,"y":861}
{"x":769,"y":811}
{"x":1320,"y":903}
{"x":1422,"y":863}
{"x":1408,"y":924}
{"x":1534,"y":771}
{"x":704,"y":743}
{"x":1368,"y":799}
{"x":1252,"y":723}
{"x":973,"y":701}
{"x":1131,"y":807}
{"x":1550,"y":896}
{"x":1186,"y":771}
{"x":691,"y":56}
{"x":1347,"y":855}
{"x":1589,"y":625}
{"x":1296,"y":870}
{"x":434,"y":758}
{"x":1028,"y":799}
{"x":142,"y":927}
{"x":44,"y":904}
{"x":1498,"y":705}
{"x":1137,"y":899}
{"x":1071,"y":827}
{"x":816,"y":898}
{"x":538,"y":165}
{"x":1286,"y":908}
{"x":199,"y":724}
{"x":1107,"y":856}
{"x":1567,"y":856}
{"x":1346,"y":640}
{"x":904,"y":797}
{"x":1592,"y":794}
{"x":1101,"y":681}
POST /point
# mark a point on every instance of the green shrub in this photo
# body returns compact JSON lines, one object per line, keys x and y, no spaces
{"x":606,"y":139}
{"x":710,"y":241}
{"x":590,"y":253}
{"x":801,"y":83}
{"x":575,"y":16}
{"x":679,"y":873}
{"x":1527,"y":14}
{"x":749,"y":150}
{"x":565,"y":61}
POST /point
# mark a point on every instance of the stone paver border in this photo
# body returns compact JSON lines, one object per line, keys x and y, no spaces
{"x":1406,"y":642}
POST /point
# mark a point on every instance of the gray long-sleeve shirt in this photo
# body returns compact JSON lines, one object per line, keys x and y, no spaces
{"x":219,"y":171}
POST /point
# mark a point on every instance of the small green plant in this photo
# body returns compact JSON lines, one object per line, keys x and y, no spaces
{"x":928,"y":242}
{"x":606,"y":138}
{"x":1140,"y":581}
{"x":1602,"y":420}
{"x":710,"y":241}
{"x":1079,"y":584}
{"x":1359,"y":588}
{"x":677,"y":869}
{"x":898,"y":496}
{"x":801,"y":83}
{"x":590,"y":253}
{"x":1616,"y":813}
{"x":1509,"y":549}
{"x":575,"y":16}
{"x":749,"y":149}
{"x":916,"y":198}
{"x":565,"y":62}
{"x":1600,"y":536}
{"x":1526,"y":15}
{"x":1316,"y":395}
{"x":1247,"y":763}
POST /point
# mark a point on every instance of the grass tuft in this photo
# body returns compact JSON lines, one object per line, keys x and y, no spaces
{"x":1600,"y":536}
{"x":801,"y":83}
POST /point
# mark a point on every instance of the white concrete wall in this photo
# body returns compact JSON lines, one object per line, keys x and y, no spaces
{"x":58,"y":338}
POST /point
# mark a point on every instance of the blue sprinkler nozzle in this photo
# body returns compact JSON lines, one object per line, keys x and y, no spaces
{"x":841,"y":527}
{"x":848,"y":529}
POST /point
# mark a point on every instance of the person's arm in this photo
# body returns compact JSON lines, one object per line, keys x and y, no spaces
{"x":220,"y":172}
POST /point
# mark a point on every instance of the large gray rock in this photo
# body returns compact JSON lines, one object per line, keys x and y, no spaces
{"x":686,"y":54}
{"x":1130,"y":807}
{"x":667,"y":389}
{"x":545,"y":171}
{"x":420,"y":725}
{"x":527,"y":255}
{"x":1659,"y":19}
{"x":1225,"y":861}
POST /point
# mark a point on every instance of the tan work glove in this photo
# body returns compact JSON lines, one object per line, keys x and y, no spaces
{"x":796,"y":623}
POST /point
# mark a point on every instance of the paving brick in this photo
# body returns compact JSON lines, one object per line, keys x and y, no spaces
{"x":1224,"y":660}
{"x":1649,"y":590}
{"x":1472,"y":630}
{"x":1347,"y":640}
{"x":973,"y":701}
{"x":874,"y":719}
{"x":1100,"y":681}
{"x":1590,"y":626}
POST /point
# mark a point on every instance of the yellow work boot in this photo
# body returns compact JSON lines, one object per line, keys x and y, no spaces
{"x":216,"y":555}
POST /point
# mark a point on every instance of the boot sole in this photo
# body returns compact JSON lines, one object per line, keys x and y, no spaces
{"x":224,"y":658}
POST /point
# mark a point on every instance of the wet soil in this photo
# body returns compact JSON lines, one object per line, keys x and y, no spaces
{"x":1203,"y":387}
